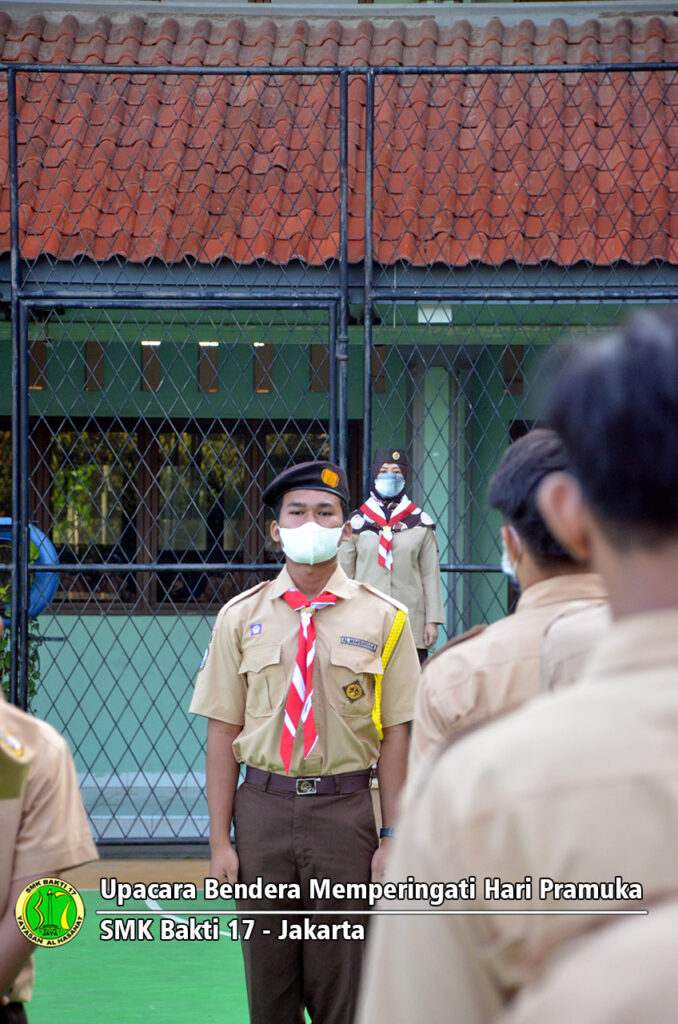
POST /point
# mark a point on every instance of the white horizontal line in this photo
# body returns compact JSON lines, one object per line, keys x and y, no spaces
{"x":370,"y":913}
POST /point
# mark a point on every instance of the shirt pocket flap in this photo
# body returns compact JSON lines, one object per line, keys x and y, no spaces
{"x":355,"y":658}
{"x":257,"y":656}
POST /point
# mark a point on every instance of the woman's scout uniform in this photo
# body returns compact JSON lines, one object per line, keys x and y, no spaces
{"x":393,"y":547}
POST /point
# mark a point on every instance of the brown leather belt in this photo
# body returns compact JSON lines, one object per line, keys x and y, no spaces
{"x":316,"y":785}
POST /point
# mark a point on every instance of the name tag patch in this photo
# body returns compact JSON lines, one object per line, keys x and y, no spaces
{"x":354,"y":641}
{"x":354,"y":691}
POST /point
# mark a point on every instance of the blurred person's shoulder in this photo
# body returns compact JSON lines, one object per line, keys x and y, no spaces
{"x":473,"y":648}
{"x":596,"y":733}
{"x":457,"y":646}
{"x":570,"y":640}
{"x":40,"y":738}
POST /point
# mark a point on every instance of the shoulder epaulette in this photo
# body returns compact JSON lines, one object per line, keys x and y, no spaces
{"x":473,"y":631}
{"x":245,"y":593}
{"x":380,"y":593}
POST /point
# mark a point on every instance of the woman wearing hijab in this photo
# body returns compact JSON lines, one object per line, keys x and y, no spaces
{"x":393,"y":548}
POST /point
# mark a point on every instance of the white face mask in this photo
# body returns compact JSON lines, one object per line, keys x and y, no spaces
{"x":507,"y":566}
{"x":389,"y":485}
{"x":311,"y":543}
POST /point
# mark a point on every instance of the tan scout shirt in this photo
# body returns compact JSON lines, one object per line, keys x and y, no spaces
{"x":622,"y":973}
{"x":484,"y":673}
{"x":415,"y":580}
{"x":15,"y":760}
{"x":45,"y":830}
{"x":568,"y":642}
{"x":246,"y":676}
{"x":579,"y":786}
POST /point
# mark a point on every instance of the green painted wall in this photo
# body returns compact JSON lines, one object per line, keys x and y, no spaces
{"x":119,"y":687}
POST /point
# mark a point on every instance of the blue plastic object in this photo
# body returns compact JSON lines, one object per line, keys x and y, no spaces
{"x":45,"y":584}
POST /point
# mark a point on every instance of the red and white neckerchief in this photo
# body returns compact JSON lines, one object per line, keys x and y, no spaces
{"x":299,"y":704}
{"x":373,"y":510}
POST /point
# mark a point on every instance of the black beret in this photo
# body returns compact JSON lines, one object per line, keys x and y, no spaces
{"x":313,"y":476}
{"x":389,"y":455}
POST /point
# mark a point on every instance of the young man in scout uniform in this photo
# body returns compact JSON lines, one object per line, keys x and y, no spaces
{"x":577,"y":789}
{"x":43,"y":830}
{"x":292,"y":687}
{"x":493,"y":669}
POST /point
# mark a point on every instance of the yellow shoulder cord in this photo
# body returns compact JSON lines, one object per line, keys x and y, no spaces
{"x":392,"y":640}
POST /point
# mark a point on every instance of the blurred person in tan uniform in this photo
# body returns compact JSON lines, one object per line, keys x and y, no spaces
{"x":622,"y":973}
{"x":580,"y":786}
{"x":43,"y":831}
{"x":309,"y":741}
{"x":568,"y":641}
{"x":393,"y":547}
{"x":493,"y":669}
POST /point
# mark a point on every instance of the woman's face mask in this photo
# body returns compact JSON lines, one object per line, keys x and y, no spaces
{"x":311,"y":543}
{"x":389,"y":485}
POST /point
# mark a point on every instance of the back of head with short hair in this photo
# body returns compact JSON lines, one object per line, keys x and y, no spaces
{"x":615,"y":405}
{"x":513,"y":490}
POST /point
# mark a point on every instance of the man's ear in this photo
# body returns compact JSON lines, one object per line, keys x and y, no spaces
{"x":346,"y":531}
{"x":561,"y":503}
{"x":274,"y":530}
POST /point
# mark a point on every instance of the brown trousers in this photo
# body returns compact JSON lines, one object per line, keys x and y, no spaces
{"x":13,"y":1013}
{"x":289,"y":838}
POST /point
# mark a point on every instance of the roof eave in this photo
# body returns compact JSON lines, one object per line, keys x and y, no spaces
{"x":444,"y":13}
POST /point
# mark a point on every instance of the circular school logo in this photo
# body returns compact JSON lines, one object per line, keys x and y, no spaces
{"x":50,"y":912}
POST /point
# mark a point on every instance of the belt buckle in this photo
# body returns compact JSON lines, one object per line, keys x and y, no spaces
{"x":307,"y":787}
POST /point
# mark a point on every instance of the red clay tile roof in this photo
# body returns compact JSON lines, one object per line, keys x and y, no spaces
{"x":526,"y":168}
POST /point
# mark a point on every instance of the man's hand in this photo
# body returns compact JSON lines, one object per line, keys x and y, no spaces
{"x":224,"y":864}
{"x":430,"y":634}
{"x":379,"y":859}
{"x":222,"y":781}
{"x":391,"y":770}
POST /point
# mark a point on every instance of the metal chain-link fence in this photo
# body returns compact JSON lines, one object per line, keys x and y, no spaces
{"x":213,"y":273}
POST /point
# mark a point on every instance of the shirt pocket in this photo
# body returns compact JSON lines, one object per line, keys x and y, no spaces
{"x":352,"y":680}
{"x":261,"y":664}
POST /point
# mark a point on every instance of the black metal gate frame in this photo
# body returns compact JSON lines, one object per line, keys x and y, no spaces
{"x":335,"y":301}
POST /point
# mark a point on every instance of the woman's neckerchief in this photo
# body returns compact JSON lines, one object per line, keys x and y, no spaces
{"x":385,"y":519}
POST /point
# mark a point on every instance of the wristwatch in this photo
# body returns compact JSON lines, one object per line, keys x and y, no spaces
{"x":387,"y":833}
